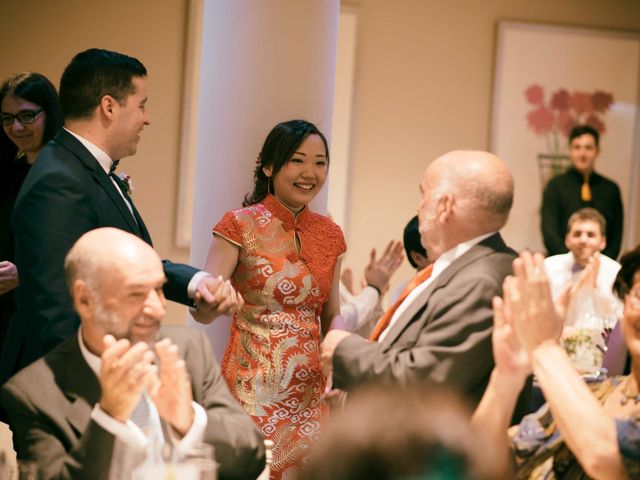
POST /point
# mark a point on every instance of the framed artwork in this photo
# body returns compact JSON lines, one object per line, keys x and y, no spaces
{"x":547,"y":80}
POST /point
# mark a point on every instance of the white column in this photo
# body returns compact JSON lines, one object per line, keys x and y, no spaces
{"x":262,"y":62}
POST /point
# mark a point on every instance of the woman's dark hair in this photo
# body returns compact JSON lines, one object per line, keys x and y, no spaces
{"x":278,"y":148}
{"x":629,"y":265}
{"x":35,"y":88}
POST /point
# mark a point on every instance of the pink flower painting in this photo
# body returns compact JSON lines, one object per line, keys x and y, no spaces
{"x":554,"y":119}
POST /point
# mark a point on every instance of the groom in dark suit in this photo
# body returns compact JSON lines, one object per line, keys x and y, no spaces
{"x":441,"y":333}
{"x":70,"y":190}
{"x":90,"y":407}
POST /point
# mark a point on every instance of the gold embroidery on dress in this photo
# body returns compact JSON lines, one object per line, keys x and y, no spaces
{"x":272,"y":364}
{"x":290,"y":451}
{"x":270,"y":384}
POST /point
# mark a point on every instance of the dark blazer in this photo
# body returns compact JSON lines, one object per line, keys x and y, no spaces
{"x":444,"y":337}
{"x":12,"y":174}
{"x":65,"y":194}
{"x":50,"y":403}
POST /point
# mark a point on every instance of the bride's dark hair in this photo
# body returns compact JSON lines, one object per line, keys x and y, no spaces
{"x":281,"y":143}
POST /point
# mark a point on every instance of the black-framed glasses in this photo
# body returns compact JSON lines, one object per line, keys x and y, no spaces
{"x":24,"y":117}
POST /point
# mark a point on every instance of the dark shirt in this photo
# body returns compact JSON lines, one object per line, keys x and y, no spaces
{"x":11,"y":177}
{"x":562,"y":197}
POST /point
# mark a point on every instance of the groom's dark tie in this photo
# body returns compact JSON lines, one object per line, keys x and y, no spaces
{"x":114,"y":165}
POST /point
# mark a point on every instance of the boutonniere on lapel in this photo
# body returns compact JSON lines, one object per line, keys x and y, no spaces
{"x":127,"y":181}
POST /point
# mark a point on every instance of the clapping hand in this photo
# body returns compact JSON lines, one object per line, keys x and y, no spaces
{"x":589,"y":274}
{"x":215,"y":297}
{"x":346,"y":277}
{"x":126,"y":371}
{"x":535,"y":318}
{"x":378,"y":272}
{"x":171,"y":389}
{"x":510,"y":358}
{"x":586,"y":281}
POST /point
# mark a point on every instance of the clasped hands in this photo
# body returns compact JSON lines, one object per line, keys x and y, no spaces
{"x":8,"y":276}
{"x":525,"y":318}
{"x":127,"y":371}
{"x":215,"y":297}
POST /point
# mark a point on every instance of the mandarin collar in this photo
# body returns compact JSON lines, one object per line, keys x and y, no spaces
{"x":289,"y":219}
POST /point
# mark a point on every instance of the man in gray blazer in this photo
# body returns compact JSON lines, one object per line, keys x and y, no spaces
{"x":122,"y":382}
{"x":441,"y":333}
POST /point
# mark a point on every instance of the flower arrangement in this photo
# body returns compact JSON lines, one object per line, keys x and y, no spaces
{"x":127,"y":181}
{"x":585,"y":347}
{"x":554,"y":119}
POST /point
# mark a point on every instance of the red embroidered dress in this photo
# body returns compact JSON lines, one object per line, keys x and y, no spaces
{"x":272,"y":362}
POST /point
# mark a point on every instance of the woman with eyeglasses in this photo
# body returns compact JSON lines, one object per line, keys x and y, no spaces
{"x":30,"y":118}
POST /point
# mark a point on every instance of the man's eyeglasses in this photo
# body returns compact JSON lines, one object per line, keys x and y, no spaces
{"x":24,"y":117}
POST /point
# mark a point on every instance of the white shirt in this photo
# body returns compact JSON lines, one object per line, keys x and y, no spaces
{"x":439,"y":266}
{"x":129,"y":432}
{"x":563,"y":269}
{"x":360,"y":312}
{"x":395,"y":294}
{"x":105,"y":162}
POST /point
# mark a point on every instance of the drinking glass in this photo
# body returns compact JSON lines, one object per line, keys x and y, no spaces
{"x":201,"y":456}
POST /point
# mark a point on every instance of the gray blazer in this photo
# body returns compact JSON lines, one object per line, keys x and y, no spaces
{"x":49,"y":404}
{"x":444,"y":337}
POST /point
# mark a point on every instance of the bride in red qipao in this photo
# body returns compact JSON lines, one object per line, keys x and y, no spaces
{"x":284,"y":260}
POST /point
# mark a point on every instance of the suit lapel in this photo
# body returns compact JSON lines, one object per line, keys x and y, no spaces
{"x":103,"y":179}
{"x":80,"y":385}
{"x":412,"y":310}
{"x":72,"y":144}
{"x":417,"y":307}
{"x":144,"y":233}
{"x":142,"y":228}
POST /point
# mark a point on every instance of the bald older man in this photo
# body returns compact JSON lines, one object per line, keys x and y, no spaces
{"x":441,"y":333}
{"x":122,"y":383}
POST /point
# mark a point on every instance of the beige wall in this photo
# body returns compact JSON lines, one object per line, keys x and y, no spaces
{"x":43,"y":35}
{"x":424,"y":73}
{"x":423,"y":87}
